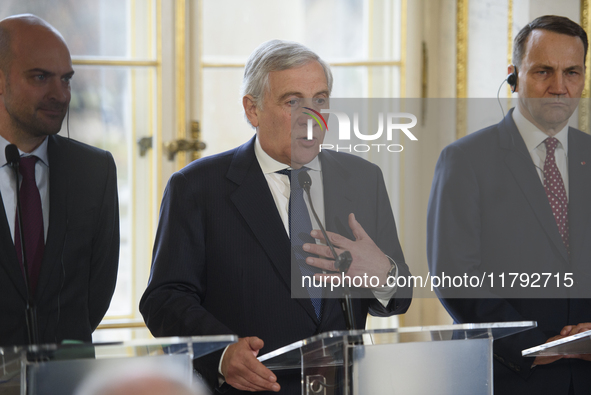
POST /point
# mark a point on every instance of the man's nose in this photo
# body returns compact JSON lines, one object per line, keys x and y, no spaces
{"x":557,"y":85}
{"x":59,"y":91}
{"x":311,"y":114}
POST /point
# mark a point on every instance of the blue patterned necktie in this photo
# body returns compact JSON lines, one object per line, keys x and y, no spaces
{"x":300,"y":227}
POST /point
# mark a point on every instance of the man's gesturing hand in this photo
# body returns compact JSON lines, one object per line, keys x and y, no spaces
{"x":368,"y":259}
{"x":242,"y":369}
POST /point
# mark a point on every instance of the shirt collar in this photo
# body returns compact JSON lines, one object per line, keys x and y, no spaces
{"x":270,"y":165}
{"x":533,"y":136}
{"x":40,"y":152}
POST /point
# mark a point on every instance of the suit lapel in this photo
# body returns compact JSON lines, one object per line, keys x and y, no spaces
{"x":58,"y":191}
{"x":579,"y":174}
{"x":9,"y":261}
{"x":338,"y":195}
{"x":255,"y":203}
{"x":519,"y":162}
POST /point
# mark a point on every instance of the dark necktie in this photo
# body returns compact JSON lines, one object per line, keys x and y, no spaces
{"x":32,"y":222}
{"x":300,"y":227}
{"x":555,"y":190}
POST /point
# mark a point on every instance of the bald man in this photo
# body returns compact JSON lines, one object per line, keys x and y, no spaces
{"x":68,"y":232}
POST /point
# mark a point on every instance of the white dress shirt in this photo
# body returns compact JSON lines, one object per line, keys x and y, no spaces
{"x":7,"y":183}
{"x":279,"y":184}
{"x":534,"y":141}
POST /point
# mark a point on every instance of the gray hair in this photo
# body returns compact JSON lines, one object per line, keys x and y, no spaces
{"x":276,"y":55}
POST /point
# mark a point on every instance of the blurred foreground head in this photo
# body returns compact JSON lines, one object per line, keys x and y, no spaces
{"x":141,"y":378}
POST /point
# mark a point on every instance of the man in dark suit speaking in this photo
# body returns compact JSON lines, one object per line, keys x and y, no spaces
{"x":221,"y":259}
{"x":68,"y":193}
{"x":516,"y":198}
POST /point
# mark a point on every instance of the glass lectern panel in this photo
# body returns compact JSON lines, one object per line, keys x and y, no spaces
{"x":53,"y":368}
{"x":289,"y":357}
{"x":393,"y":361}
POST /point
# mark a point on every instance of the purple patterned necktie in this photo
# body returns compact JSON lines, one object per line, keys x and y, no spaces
{"x":555,"y":190}
{"x":32,"y":222}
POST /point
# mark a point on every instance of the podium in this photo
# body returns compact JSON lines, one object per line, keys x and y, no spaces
{"x":59,"y":369}
{"x":451,"y":359}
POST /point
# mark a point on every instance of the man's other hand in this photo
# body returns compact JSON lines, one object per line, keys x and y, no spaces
{"x":242,"y":369}
{"x":570,"y":330}
{"x":546,"y":360}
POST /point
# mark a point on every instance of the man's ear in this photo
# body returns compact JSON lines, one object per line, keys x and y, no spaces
{"x":251,"y":110}
{"x":2,"y":82}
{"x":512,"y":77}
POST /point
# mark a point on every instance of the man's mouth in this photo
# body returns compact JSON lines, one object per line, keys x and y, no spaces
{"x":557,"y":101}
{"x":303,"y":141}
{"x":53,"y":111}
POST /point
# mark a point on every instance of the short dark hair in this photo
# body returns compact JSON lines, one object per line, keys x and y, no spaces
{"x":553,"y":23}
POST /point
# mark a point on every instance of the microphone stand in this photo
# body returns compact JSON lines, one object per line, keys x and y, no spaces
{"x":342,"y":264}
{"x":342,"y":261}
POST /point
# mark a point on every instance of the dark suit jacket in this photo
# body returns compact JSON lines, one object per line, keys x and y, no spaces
{"x":79,"y":266}
{"x":488,"y":212}
{"x":221,"y":261}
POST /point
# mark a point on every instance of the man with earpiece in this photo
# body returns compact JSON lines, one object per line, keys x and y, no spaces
{"x":59,"y":218}
{"x":515,"y":198}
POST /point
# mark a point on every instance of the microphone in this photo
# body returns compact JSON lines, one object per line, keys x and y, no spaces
{"x":305,"y":183}
{"x":13,"y":158}
{"x":342,"y":261}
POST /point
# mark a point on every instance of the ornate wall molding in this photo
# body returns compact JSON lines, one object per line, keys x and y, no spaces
{"x":584,"y":107}
{"x":461,"y":65}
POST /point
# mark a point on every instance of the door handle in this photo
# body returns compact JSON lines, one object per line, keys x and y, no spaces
{"x":193,"y":145}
